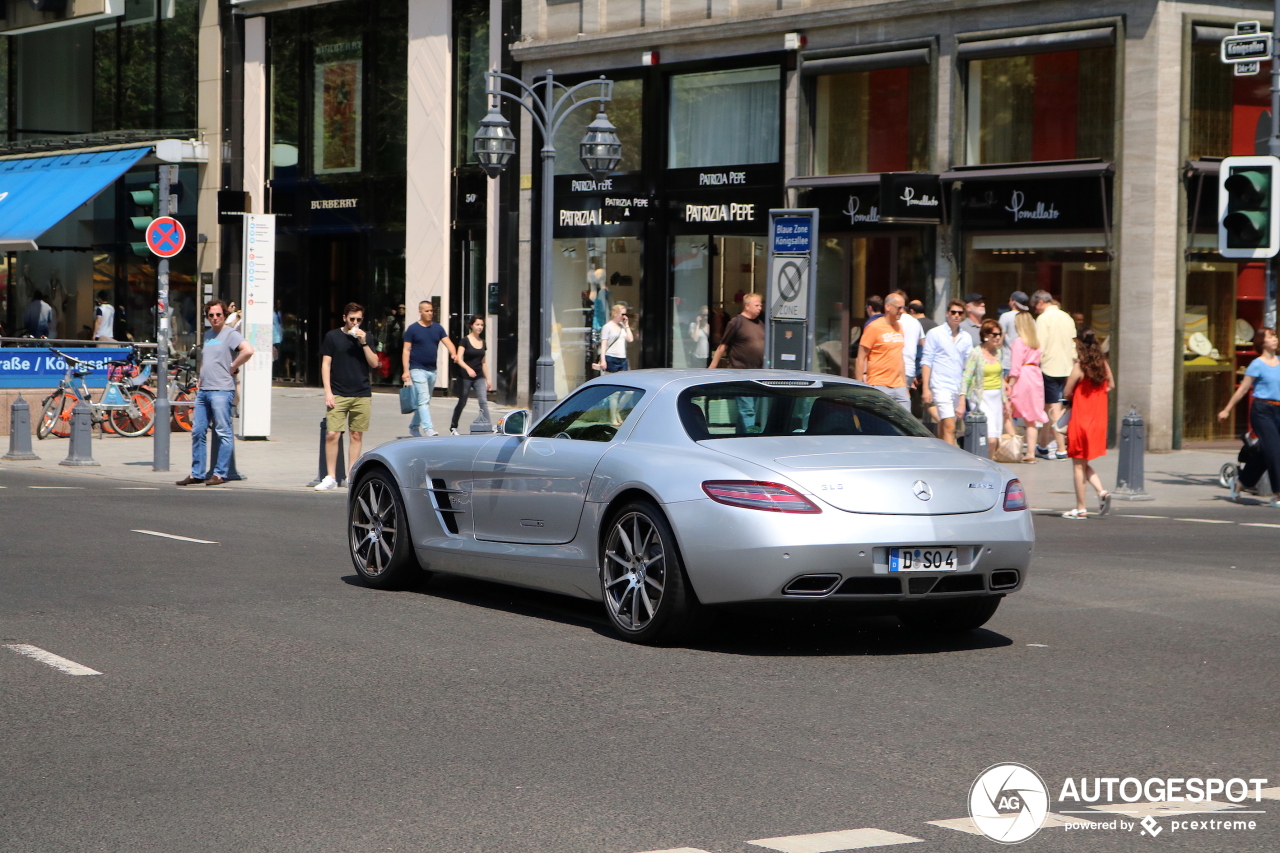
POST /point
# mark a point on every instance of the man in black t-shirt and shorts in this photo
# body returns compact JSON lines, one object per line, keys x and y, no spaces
{"x":345,"y":361}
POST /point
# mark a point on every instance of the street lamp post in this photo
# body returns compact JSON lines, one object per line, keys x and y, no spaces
{"x":600,"y":151}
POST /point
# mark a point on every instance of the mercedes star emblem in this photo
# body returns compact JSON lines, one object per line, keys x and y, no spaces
{"x":922,"y":490}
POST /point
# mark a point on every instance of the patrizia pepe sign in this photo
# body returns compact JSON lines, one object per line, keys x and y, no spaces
{"x":1054,"y":203}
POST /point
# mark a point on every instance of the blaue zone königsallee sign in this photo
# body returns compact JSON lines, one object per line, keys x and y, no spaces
{"x":37,"y":367}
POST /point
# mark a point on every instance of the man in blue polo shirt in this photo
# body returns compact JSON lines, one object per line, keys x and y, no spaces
{"x":422,"y":341}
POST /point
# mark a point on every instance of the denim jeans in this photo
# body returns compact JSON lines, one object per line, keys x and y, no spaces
{"x":424,"y":384}
{"x":465,"y":386}
{"x":211,"y":407}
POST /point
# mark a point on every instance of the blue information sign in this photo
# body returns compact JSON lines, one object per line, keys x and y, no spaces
{"x":35,"y":367}
{"x":792,"y":235}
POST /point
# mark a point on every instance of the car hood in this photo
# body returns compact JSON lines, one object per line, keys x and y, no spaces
{"x":876,"y":474}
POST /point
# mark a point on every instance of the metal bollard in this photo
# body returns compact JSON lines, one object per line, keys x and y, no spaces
{"x":323,"y":471}
{"x":1129,"y":473}
{"x":19,"y":431}
{"x":975,"y":433}
{"x":215,"y":442}
{"x":481,"y":427}
{"x":80,"y":452}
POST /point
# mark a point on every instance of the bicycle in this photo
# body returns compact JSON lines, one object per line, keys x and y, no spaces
{"x":182,"y":393}
{"x":126,"y":407}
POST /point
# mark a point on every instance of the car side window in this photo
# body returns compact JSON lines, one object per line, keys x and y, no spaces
{"x":592,"y":414}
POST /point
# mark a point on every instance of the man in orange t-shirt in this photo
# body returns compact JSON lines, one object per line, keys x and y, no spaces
{"x":880,"y":362}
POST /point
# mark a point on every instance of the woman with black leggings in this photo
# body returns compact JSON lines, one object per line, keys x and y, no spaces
{"x":1263,"y":375}
{"x":475,"y":372}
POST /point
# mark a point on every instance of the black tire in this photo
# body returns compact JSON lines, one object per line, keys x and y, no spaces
{"x":633,"y":575}
{"x":138,"y":418}
{"x":50,"y":414}
{"x":378,"y":533}
{"x":950,"y":617}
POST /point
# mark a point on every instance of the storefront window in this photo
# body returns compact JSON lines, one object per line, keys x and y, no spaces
{"x":471,"y":61}
{"x":724,"y":118}
{"x":591,"y":275}
{"x":871,"y":121}
{"x":710,"y":277}
{"x":1046,"y":106}
{"x":625,"y":111}
{"x":150,"y":42}
{"x":1229,"y":114}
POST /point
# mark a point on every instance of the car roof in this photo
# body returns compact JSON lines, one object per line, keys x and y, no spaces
{"x":679,"y":378}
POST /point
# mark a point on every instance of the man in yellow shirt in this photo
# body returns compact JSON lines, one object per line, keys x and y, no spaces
{"x":1057,"y":333}
{"x":880,"y":362}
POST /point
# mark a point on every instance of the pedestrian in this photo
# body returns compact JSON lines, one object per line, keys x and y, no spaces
{"x":916,"y":309}
{"x":422,"y":340}
{"x":1057,"y":332}
{"x":700,"y":334}
{"x":38,"y":318}
{"x":875,"y":310}
{"x":104,"y":318}
{"x":880,"y":360}
{"x":223,"y":352}
{"x":983,"y":384}
{"x":946,"y":351}
{"x":975,"y":308}
{"x":233,"y":316}
{"x":470,"y":358}
{"x":1019,"y":303}
{"x":1026,"y":383}
{"x":345,"y":361}
{"x":1087,"y":388}
{"x":912,"y":340}
{"x":743,"y":339}
{"x":1263,"y":376}
{"x":614,"y":337}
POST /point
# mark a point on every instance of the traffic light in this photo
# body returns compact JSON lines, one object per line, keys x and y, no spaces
{"x":147,"y":200}
{"x":1249,"y":207}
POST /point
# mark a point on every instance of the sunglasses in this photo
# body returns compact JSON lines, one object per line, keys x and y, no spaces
{"x":214,"y":314}
{"x":956,"y":313}
{"x":993,"y":335}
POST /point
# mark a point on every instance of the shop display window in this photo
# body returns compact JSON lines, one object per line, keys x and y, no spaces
{"x":1229,"y":114}
{"x":871,"y":121}
{"x":591,"y":275}
{"x":710,"y":278}
{"x":1045,"y":106}
{"x":724,"y":118}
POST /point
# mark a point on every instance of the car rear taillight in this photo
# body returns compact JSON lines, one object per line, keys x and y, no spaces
{"x":1015,"y":497}
{"x":752,"y":494}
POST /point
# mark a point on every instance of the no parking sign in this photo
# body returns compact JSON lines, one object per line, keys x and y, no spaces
{"x":166,"y":236}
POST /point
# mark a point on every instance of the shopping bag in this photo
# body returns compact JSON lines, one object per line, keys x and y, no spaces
{"x":1008,"y":449}
{"x":408,"y":400}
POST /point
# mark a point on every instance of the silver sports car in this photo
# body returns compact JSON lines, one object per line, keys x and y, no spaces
{"x":661,"y":492}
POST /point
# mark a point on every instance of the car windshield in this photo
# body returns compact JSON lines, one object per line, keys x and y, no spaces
{"x":792,"y":407}
{"x":592,"y":414}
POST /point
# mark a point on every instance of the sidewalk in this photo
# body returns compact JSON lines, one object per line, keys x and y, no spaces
{"x":1185,"y":478}
{"x":288,"y":461}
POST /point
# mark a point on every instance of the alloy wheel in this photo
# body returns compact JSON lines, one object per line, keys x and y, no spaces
{"x":374,"y":523}
{"x":635,"y":570}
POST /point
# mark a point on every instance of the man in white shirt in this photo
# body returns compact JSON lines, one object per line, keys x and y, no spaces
{"x":946,"y":349}
{"x":104,"y":318}
{"x":912,"y":341}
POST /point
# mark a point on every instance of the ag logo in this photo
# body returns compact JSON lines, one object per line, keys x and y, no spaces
{"x":1008,"y":803}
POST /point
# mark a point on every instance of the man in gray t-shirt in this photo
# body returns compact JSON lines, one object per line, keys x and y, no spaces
{"x":223,"y":352}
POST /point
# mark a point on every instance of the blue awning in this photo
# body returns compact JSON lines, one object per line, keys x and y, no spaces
{"x":37,"y":193}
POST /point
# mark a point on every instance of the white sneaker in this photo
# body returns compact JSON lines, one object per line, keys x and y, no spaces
{"x":454,"y":431}
{"x":327,"y":484}
{"x":431,"y":432}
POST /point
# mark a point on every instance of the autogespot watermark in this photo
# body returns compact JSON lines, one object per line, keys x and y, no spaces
{"x":1009,"y":803}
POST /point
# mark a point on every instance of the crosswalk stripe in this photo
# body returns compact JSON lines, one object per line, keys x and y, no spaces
{"x":966,"y":824}
{"x":828,"y":842}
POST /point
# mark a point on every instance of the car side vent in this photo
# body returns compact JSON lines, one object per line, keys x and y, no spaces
{"x":445,"y":504}
{"x":811,"y":585}
{"x":960,"y":583}
{"x":1005,"y":579}
{"x":919,"y":586}
{"x":871,"y":586}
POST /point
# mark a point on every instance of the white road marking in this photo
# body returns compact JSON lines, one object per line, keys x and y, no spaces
{"x":678,"y":850}
{"x":55,"y":487}
{"x":1205,"y":520}
{"x":966,"y":824}
{"x":827,"y":842}
{"x":1257,"y":524}
{"x":138,"y":488}
{"x":70,"y":667}
{"x":179,"y":538}
{"x":1132,"y":515}
{"x":1271,"y":793}
{"x":1037,"y":645}
{"x":1165,"y":808}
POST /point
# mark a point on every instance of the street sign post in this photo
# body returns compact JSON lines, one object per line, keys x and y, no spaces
{"x":165,"y":237}
{"x":789,"y":290}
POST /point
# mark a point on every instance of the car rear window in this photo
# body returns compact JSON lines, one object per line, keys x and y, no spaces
{"x":744,"y":409}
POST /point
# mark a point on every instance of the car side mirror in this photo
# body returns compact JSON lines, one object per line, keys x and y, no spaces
{"x":515,"y":423}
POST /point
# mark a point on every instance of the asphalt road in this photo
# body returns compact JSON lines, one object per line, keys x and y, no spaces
{"x":255,"y":697}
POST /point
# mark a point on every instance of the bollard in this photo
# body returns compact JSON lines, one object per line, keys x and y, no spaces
{"x":481,"y":427}
{"x":215,"y":442}
{"x":1129,"y":473}
{"x":80,"y":453}
{"x":323,"y":471}
{"x":975,"y":433}
{"x":19,"y":431}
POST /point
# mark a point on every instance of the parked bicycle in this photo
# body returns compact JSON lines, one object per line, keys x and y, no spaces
{"x":126,"y":406}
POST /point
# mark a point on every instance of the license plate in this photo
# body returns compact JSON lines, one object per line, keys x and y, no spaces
{"x":923,"y":559}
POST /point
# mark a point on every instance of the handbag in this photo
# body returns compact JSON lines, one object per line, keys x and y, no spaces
{"x":408,"y":400}
{"x":1064,"y":419}
{"x":384,"y":365}
{"x":1008,"y":449}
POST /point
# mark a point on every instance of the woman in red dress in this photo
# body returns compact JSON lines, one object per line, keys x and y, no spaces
{"x":1087,"y":388}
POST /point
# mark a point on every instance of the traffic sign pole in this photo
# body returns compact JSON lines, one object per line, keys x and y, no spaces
{"x":160,"y":452}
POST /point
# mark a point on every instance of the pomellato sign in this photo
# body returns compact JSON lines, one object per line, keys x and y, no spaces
{"x":1045,"y":204}
{"x":879,"y":201}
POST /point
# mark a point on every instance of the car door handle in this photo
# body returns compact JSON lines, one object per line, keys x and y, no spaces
{"x":531,"y":522}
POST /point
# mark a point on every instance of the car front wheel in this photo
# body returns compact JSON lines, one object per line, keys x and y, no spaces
{"x":950,"y":617}
{"x":379,"y":533}
{"x":646,"y":593}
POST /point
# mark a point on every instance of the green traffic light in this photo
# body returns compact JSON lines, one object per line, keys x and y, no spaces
{"x":140,"y":249}
{"x":140,"y":222}
{"x":144,"y":198}
{"x":1248,"y":227}
{"x":1247,"y":219}
{"x":1251,"y":187}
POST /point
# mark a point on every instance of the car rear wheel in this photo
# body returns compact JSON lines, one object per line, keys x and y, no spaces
{"x":646,"y":593}
{"x":379,"y":533}
{"x":950,"y":617}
